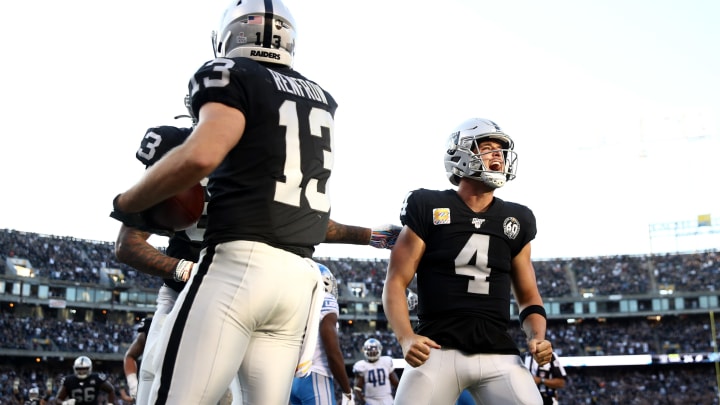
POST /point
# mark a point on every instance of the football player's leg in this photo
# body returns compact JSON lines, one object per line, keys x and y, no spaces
{"x":284,"y":288}
{"x":503,"y":380}
{"x":165,"y":302}
{"x":434,"y":382}
{"x":203,"y":339}
{"x":312,"y":390}
{"x":324,"y":389}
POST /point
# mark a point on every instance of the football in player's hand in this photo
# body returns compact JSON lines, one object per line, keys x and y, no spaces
{"x":179,"y":211}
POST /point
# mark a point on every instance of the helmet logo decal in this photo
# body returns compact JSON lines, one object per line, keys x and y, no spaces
{"x":441,"y":216}
{"x":265,"y":54}
{"x":511,"y":227}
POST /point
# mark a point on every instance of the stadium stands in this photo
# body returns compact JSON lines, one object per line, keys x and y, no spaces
{"x":71,"y":296}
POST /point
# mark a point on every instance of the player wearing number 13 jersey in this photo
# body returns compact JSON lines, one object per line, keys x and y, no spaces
{"x":264,"y":140}
{"x":470,"y":250}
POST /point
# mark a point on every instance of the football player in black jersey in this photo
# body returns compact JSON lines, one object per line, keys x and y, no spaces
{"x":83,"y":387}
{"x":264,"y":139}
{"x":34,"y":397}
{"x":470,"y":251}
{"x":183,"y":252}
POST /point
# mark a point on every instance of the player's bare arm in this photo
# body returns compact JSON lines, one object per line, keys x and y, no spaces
{"x":341,"y":233}
{"x":381,"y":237}
{"x":404,"y":259}
{"x":528,"y":298}
{"x":133,"y":249}
{"x":219,"y":129}
{"x":359,"y":388}
{"x":110,"y":390}
{"x":329,"y":337}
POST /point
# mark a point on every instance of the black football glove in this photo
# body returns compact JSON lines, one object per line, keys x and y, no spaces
{"x":138,"y":220}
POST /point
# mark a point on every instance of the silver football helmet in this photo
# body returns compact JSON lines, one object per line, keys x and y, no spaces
{"x":188,"y":107}
{"x":34,"y":394}
{"x":263,"y":30}
{"x":328,"y":279}
{"x":82,"y":367}
{"x":372,"y":348}
{"x":462,"y":157}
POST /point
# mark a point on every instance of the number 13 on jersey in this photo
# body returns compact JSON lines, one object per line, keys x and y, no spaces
{"x":290,"y":191}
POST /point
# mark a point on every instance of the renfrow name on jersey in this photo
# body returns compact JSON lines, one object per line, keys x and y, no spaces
{"x":298,"y":87}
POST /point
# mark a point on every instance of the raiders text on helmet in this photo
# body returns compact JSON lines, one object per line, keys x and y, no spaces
{"x":262,"y":30}
{"x":461,"y":159}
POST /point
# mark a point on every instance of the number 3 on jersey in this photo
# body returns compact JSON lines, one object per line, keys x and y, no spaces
{"x":478,"y":246}
{"x":290,"y":191}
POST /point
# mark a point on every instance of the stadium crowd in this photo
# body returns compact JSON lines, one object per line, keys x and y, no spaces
{"x":81,"y":261}
{"x":72,"y":259}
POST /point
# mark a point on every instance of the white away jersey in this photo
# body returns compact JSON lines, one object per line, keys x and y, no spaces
{"x":377,"y":377}
{"x":320,"y":363}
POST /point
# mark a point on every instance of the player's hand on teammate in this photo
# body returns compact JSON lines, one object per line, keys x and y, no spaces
{"x":137,"y":220}
{"x":541,"y":351}
{"x":384,"y":236}
{"x":416,"y":349}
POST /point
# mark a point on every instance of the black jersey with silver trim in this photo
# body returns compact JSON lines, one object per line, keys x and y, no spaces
{"x":463,"y":278}
{"x":86,"y":390}
{"x":185,"y":244}
{"x":272,"y":186}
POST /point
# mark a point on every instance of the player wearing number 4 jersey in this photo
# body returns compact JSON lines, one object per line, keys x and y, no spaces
{"x":469,"y":250}
{"x":264,"y":140}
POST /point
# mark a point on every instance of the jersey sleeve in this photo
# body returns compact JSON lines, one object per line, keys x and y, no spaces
{"x":158,"y":141}
{"x":218,"y":81}
{"x":358,"y":367}
{"x":528,"y":227}
{"x":413,"y":212}
{"x":330,"y":305}
{"x":145,"y":326}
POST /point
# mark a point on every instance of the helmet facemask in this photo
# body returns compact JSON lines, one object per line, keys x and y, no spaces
{"x":462,"y":160}
{"x":82,"y":367}
{"x":372,"y":348}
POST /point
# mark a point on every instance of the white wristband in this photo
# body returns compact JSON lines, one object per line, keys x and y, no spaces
{"x":132,"y":383}
{"x":182,"y":270}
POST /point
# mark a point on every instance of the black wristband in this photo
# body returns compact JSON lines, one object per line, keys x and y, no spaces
{"x":532,"y":309}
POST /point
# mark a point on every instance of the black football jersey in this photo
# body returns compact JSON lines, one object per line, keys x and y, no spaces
{"x":272,"y":186}
{"x":145,"y":325}
{"x":85,"y":391}
{"x":463,"y":278}
{"x":185,"y":244}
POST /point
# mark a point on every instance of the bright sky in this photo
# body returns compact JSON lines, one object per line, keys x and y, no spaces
{"x":614,"y":107}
